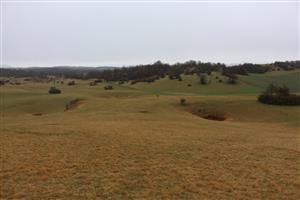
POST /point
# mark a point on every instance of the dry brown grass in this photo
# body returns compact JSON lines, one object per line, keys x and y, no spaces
{"x":108,"y":149}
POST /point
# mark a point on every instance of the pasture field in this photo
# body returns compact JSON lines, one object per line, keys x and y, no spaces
{"x":138,"y":142}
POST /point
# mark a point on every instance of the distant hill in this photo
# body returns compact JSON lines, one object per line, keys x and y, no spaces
{"x":85,"y":68}
{"x":190,"y":84}
{"x":65,"y":71}
{"x":5,"y":66}
{"x":150,"y":72}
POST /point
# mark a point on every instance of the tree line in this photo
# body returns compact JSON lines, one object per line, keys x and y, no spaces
{"x":149,"y":72}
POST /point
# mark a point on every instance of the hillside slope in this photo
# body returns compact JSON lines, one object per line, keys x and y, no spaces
{"x":251,"y":84}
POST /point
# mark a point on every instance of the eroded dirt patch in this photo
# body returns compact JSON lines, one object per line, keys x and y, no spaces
{"x":207,"y":113}
{"x":73,"y":104}
{"x":144,"y":111}
{"x":37,"y":114}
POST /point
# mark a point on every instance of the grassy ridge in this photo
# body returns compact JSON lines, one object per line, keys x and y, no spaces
{"x":252,"y":84}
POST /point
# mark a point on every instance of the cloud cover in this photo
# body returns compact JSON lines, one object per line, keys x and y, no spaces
{"x":97,"y":33}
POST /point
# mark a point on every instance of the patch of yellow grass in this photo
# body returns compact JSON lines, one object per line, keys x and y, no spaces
{"x":108,"y":149}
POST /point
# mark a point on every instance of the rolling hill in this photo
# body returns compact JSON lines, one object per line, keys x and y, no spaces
{"x":137,"y":141}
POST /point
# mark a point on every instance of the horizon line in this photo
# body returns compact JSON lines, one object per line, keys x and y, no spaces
{"x":6,"y":66}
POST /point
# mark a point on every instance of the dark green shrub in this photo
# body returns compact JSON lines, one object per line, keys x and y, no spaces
{"x":147,"y":80}
{"x":98,"y":81}
{"x":289,"y":100}
{"x":93,"y":83}
{"x":277,"y":95}
{"x":54,"y":90}
{"x":203,"y":79}
{"x":232,"y":78}
{"x":71,"y":83}
{"x":108,"y":87}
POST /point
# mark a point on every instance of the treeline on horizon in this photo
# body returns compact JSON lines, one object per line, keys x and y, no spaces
{"x":148,"y":72}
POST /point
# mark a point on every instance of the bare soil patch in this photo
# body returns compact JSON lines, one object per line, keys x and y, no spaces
{"x":73,"y":104}
{"x":207,"y":113}
{"x":144,"y":111}
{"x":37,"y":114}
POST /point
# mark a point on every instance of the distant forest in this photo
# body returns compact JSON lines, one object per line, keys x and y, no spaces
{"x":149,"y":72}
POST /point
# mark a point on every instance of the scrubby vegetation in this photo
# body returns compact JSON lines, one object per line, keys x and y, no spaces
{"x":108,"y":87}
{"x":3,"y":82}
{"x":279,"y":95}
{"x":71,"y":83}
{"x":147,"y":80}
{"x":54,"y":90}
{"x":92,"y":83}
{"x":232,"y":78}
{"x":203,"y":79}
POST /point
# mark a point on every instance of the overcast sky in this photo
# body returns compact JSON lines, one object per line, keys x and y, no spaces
{"x":101,"y":34}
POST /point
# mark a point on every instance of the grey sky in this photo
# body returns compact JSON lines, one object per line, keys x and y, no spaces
{"x":95,"y":34}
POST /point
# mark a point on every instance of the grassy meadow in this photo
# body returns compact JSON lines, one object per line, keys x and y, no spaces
{"x":138,"y":142}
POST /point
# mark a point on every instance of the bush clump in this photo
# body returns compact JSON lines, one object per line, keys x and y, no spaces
{"x":203,"y":79}
{"x":71,"y":83}
{"x":54,"y":90}
{"x":108,"y":87}
{"x":232,"y":78}
{"x":146,"y":80}
{"x":278,"y":95}
{"x":92,"y":83}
